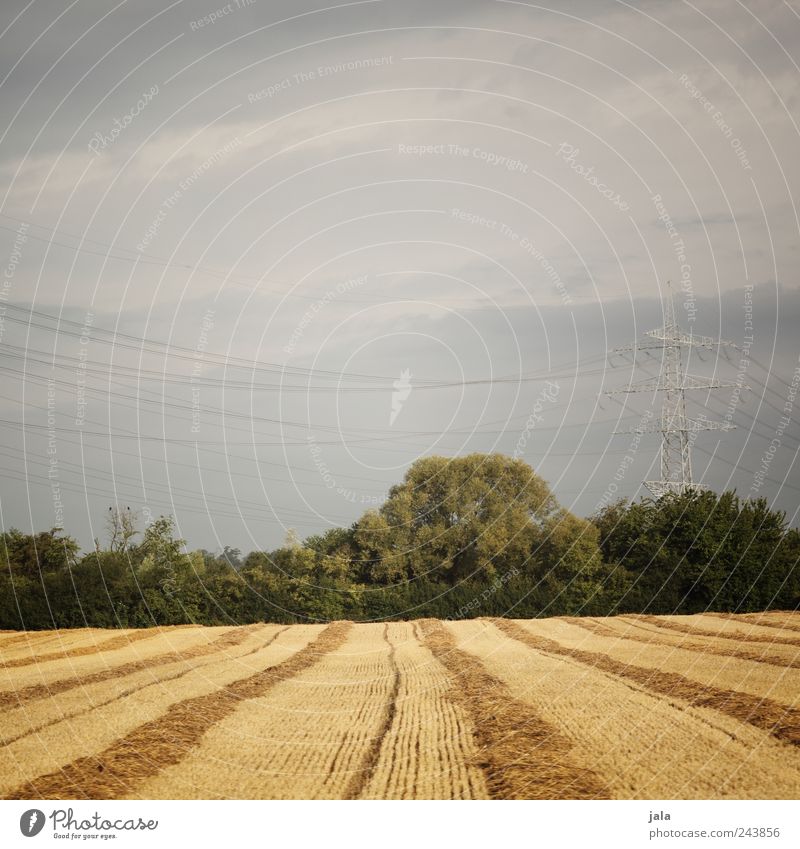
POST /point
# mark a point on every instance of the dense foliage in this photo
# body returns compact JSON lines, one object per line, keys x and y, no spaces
{"x":702,"y":551}
{"x":475,"y":536}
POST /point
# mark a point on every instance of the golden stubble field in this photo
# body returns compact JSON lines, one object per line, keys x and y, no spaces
{"x":629,"y":707}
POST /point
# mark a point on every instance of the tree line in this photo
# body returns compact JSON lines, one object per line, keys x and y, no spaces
{"x":480,"y":535}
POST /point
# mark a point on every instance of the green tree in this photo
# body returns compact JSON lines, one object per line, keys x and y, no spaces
{"x":475,"y":518}
{"x":697,"y":551}
{"x":32,"y":554}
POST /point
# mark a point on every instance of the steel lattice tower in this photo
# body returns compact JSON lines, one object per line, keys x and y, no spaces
{"x":678,"y":431}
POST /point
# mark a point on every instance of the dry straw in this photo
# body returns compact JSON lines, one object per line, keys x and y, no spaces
{"x":23,"y":695}
{"x":653,"y":638}
{"x":693,"y":630}
{"x":115,"y":772}
{"x":121,"y":641}
{"x":521,"y":755}
{"x":219,"y":645}
{"x":784,"y":624}
{"x":361,"y":778}
{"x":779,"y":720}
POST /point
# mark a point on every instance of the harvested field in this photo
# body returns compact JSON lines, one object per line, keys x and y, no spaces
{"x":626,"y":707}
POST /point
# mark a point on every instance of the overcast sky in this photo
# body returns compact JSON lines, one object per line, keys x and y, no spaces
{"x":297,"y":204}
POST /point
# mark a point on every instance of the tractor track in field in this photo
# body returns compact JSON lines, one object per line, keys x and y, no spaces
{"x":739,"y":636}
{"x":758,"y":619}
{"x":779,"y":720}
{"x":558,"y":708}
{"x":521,"y":755}
{"x":654,"y":639}
{"x":38,"y":691}
{"x":360,"y":779}
{"x":121,"y":641}
{"x":156,"y":682}
{"x":145,"y":751}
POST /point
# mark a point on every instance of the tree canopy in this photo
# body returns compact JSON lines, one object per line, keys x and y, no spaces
{"x":476,"y":535}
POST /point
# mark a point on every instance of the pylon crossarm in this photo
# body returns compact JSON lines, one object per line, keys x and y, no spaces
{"x":678,"y":337}
{"x":661,"y":488}
{"x":641,"y":386}
{"x":705,"y":424}
{"x":692,"y":382}
{"x":658,"y":385}
{"x":632,"y":349}
{"x":691,"y":426}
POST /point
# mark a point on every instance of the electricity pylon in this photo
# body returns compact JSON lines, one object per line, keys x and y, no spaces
{"x":677,"y":430}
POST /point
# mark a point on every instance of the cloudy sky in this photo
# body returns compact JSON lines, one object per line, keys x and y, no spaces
{"x":259,"y":257}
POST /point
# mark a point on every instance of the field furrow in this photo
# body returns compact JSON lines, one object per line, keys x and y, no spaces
{"x":703,"y":706}
{"x":67,"y":649}
{"x":313,"y":736}
{"x":120,"y":768}
{"x":160,"y":641}
{"x":34,"y":716}
{"x":642,"y":744}
{"x":360,"y":778}
{"x":780,"y":620}
{"x":725,"y":673}
{"x":702,"y":626}
{"x":644,"y":632}
{"x":522,"y":755}
{"x":85,"y":738}
{"x":229,"y":638}
{"x":780,"y":720}
{"x":429,"y":750}
{"x":18,"y":643}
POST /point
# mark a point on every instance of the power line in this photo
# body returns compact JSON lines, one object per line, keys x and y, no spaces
{"x":138,"y":374}
{"x":230,"y":361}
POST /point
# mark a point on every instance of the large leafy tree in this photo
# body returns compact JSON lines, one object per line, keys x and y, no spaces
{"x":474,"y":518}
